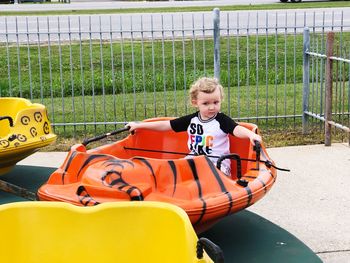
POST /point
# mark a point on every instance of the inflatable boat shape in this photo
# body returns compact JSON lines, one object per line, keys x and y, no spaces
{"x":58,"y":232}
{"x":24,"y":128}
{"x":150,"y":165}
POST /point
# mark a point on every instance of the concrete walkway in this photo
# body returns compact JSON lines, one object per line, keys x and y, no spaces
{"x":312,"y":202}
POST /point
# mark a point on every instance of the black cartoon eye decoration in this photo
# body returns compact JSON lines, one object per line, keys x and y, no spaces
{"x":33,"y":131}
{"x":21,"y":137}
{"x":25,"y":120}
{"x":38,"y":117}
{"x":46,"y":128}
{"x":16,"y":144}
{"x":47,"y":115}
{"x":4,"y":143}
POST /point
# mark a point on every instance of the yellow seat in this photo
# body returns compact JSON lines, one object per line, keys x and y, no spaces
{"x":121,"y":232}
{"x":24,"y":128}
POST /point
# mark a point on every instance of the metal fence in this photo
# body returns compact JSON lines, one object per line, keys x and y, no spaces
{"x":326,"y":97}
{"x":95,"y":73}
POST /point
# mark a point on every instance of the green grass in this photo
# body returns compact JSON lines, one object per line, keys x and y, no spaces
{"x":303,"y":5}
{"x":29,"y":73}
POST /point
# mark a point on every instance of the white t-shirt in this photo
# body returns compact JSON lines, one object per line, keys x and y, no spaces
{"x":207,"y":137}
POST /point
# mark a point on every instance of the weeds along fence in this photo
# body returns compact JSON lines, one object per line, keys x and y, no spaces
{"x":94,"y":73}
{"x":326,"y":95}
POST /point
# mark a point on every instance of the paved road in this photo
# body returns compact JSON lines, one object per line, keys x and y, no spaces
{"x":312,"y":202}
{"x":105,"y":4}
{"x":180,"y":23}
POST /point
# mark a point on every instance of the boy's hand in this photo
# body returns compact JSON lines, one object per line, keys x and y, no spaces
{"x":132,"y":126}
{"x":254,"y":137}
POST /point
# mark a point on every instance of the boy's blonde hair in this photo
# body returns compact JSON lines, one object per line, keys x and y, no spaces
{"x":206,"y":85}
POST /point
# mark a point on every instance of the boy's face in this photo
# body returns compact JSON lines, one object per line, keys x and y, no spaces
{"x":208,"y":104}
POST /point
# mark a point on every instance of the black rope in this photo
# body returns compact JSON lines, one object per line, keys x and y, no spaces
{"x":268,"y":163}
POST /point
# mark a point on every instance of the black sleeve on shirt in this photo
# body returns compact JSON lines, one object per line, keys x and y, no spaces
{"x":181,"y":124}
{"x":226,"y":123}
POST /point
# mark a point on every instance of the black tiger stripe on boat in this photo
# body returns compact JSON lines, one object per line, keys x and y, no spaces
{"x":221,"y":184}
{"x":116,"y":162}
{"x":173,"y":169}
{"x":90,"y":159}
{"x":82,"y":196}
{"x":149,"y":167}
{"x":67,"y":165}
{"x":192,"y":165}
{"x":138,"y":197}
{"x":263,"y":183}
{"x":249,"y":195}
{"x":118,"y":178}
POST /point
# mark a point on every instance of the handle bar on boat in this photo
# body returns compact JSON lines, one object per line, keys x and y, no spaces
{"x":257,"y":149}
{"x":97,"y":138}
{"x":213,"y":250}
{"x":7,"y":118}
{"x":238,"y":159}
{"x":232,"y":156}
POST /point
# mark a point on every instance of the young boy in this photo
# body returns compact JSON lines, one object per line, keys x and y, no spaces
{"x":207,"y":128}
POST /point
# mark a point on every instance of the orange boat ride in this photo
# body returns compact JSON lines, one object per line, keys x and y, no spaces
{"x":150,"y":166}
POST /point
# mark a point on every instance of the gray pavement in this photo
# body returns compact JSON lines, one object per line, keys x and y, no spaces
{"x":312,"y":202}
{"x":105,"y":4}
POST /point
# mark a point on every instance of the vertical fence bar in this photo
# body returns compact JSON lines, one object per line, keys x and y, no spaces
{"x":216,"y":32}
{"x":143,"y":71}
{"x":123,"y":66}
{"x":285,"y":70}
{"x":228,"y":66}
{"x":102,"y":74}
{"x":164,"y":67}
{"x":29,"y":61}
{"x":18,"y":59}
{"x":329,"y":86}
{"x":194,"y":48}
{"x":113,"y":70}
{"x":133,"y":66}
{"x":203,"y":46}
{"x":71,"y":75}
{"x":306,"y":77}
{"x":312,"y":48}
{"x":257,"y":68}
{"x":8,"y":59}
{"x":238,"y":70}
{"x":174,"y":61}
{"x":61,"y":74}
{"x":267,"y":67}
{"x":322,"y":64}
{"x":50,"y":72}
{"x":184,"y":58}
{"x":153,"y":70}
{"x":247,"y":87}
{"x":39,"y":61}
{"x":92,"y":75}
{"x":276,"y":66}
{"x":294,"y":68}
{"x":82,"y":73}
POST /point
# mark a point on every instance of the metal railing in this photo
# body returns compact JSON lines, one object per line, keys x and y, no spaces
{"x":328,"y":99}
{"x":97,"y":72}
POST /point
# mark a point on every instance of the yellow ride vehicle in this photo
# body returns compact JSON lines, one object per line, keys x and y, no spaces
{"x":24,"y":128}
{"x":57,"y":232}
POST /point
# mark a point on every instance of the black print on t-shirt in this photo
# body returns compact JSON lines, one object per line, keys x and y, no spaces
{"x":199,"y":143}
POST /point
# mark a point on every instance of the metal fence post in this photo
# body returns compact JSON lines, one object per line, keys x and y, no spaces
{"x":216,"y":33}
{"x":306,"y":77}
{"x":329,"y":86}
